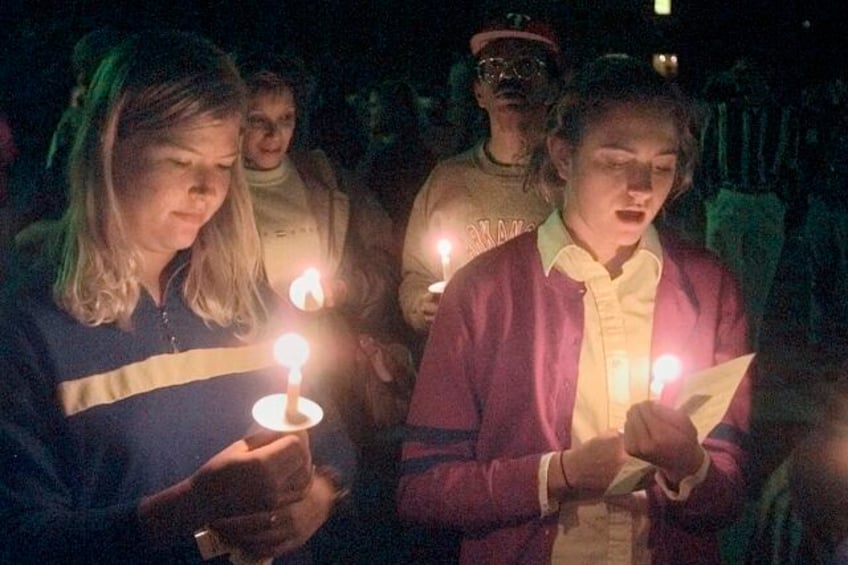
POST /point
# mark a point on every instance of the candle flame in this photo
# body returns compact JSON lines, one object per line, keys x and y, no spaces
{"x":667,"y":368}
{"x":306,"y":292}
{"x":444,"y":247}
{"x":291,"y":350}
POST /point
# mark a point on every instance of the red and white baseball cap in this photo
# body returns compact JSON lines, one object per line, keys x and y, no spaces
{"x":515,"y":26}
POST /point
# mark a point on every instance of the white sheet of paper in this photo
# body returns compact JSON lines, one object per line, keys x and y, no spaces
{"x":704,"y":397}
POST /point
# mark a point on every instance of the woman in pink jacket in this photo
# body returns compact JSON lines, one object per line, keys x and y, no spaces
{"x":535,"y":384}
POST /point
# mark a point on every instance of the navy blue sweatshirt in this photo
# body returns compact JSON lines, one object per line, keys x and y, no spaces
{"x":94,"y":418}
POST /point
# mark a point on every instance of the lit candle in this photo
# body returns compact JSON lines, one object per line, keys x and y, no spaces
{"x":666,"y":369}
{"x":291,"y":351}
{"x":444,"y":248}
{"x":306,"y":292}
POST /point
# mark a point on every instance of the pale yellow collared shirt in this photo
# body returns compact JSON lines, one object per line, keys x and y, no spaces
{"x":614,"y":373}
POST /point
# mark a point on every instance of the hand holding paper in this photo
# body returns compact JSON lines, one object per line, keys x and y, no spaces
{"x":664,"y":437}
{"x":704,"y":397}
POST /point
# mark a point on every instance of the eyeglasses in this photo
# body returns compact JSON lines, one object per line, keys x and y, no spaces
{"x":491,"y":69}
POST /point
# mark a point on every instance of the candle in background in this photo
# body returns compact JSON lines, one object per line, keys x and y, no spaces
{"x":306,"y":292}
{"x":291,"y":351}
{"x":444,"y":248}
{"x":667,"y":368}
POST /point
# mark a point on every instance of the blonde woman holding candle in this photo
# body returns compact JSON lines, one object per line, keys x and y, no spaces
{"x":534,"y":386}
{"x":129,"y":349}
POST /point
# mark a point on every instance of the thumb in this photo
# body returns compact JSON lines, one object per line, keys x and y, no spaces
{"x":261,"y":438}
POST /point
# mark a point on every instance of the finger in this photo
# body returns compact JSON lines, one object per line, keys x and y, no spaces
{"x":292,"y":492}
{"x":613,"y":441}
{"x":610,"y":434}
{"x":235,"y":450}
{"x":637,"y":431}
{"x":666,"y":414}
{"x":260,"y":438}
{"x":287,"y":453}
{"x":668,"y":422}
{"x":287,"y":468}
{"x":294,"y":486}
{"x":303,"y":436}
{"x":264,"y":441}
{"x":635,"y":424}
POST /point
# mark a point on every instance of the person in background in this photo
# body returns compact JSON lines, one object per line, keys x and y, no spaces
{"x":398,"y":159}
{"x":51,"y":198}
{"x":801,"y":516}
{"x":534,"y":385}
{"x":824,"y":166}
{"x":337,"y":127}
{"x":308,"y":218}
{"x":818,"y":480}
{"x":134,"y":345}
{"x":749,"y":141}
{"x":466,"y":118}
{"x":476,"y":200}
{"x":305,"y":215}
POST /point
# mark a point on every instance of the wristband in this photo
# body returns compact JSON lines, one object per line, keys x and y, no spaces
{"x":568,"y":485}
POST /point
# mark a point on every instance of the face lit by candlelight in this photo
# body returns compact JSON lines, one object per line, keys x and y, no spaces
{"x":617,"y":177}
{"x":271,"y":120}
{"x":170,"y":186}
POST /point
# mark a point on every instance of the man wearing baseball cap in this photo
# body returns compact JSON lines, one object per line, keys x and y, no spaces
{"x":477,"y":200}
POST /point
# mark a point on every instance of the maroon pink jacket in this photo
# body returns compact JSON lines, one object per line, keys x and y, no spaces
{"x":496,"y":391}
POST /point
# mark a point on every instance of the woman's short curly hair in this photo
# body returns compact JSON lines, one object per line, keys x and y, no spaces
{"x":609,"y":82}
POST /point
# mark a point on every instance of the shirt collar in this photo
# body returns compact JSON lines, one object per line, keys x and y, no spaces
{"x":271,"y":177}
{"x":552,"y":239}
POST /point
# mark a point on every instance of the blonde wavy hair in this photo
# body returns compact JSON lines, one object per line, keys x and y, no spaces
{"x":152,"y":83}
{"x":609,"y":82}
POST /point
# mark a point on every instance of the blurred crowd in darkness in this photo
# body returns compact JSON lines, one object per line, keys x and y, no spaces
{"x":363,"y":115}
{"x":772,"y":121}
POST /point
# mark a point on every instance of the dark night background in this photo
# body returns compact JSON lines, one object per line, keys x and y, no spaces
{"x":358,"y":41}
